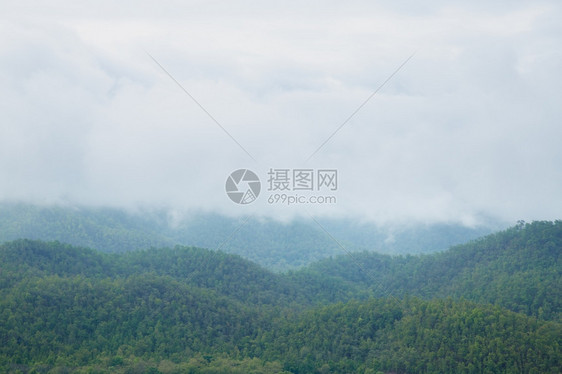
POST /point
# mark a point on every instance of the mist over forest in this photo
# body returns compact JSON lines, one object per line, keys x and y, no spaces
{"x":280,"y":187}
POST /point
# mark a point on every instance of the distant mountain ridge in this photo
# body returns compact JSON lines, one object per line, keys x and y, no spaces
{"x":519,"y":269}
{"x":275,"y":245}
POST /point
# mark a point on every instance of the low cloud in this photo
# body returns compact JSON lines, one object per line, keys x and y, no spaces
{"x":467,"y":129}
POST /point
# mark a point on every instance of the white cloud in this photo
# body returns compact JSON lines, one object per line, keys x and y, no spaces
{"x":468,"y":128}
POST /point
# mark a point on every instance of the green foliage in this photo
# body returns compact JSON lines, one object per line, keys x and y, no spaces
{"x":519,"y":269}
{"x":275,"y":245}
{"x":415,"y":336}
{"x":188,"y":310}
{"x":108,"y":230}
{"x":227,"y":274}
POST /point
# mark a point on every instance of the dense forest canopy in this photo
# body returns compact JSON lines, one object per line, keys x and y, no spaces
{"x":275,"y":245}
{"x":492,"y":305}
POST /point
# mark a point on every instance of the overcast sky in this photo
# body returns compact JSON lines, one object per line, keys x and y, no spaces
{"x":469,"y":127}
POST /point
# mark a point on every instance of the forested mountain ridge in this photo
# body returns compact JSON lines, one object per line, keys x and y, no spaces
{"x":107,"y":230}
{"x":184,"y":309}
{"x":414,"y":336}
{"x":155,"y":324}
{"x":227,"y":274}
{"x":275,"y":245}
{"x":519,"y":268}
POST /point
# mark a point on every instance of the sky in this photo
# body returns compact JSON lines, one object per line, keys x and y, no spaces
{"x":446,"y":111}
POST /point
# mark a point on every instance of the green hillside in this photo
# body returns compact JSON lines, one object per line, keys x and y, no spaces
{"x":519,"y":269}
{"x":184,"y":309}
{"x":227,"y":274}
{"x":414,"y":336}
{"x":275,"y":245}
{"x":108,"y":230}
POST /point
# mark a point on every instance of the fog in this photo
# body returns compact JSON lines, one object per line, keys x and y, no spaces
{"x":465,"y":130}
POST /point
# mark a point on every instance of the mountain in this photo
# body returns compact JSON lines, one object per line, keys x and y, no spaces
{"x":413,"y":336}
{"x":108,"y":230}
{"x":151,"y":324}
{"x":227,"y":274}
{"x":276,"y":245}
{"x":492,"y":305}
{"x":519,"y":268}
